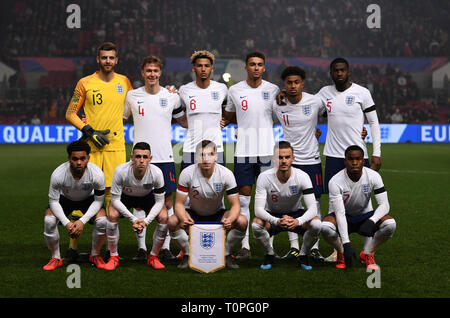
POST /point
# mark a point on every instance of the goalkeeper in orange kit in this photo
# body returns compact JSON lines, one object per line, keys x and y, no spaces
{"x":102,"y":95}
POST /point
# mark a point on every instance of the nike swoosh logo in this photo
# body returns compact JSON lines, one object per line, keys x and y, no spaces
{"x":191,"y":96}
{"x":195,"y":187}
{"x":139,"y":102}
{"x":329,"y":99}
{"x":243,"y":96}
{"x":283,"y":112}
{"x":96,"y":90}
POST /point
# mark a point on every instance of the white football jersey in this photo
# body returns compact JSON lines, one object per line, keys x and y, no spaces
{"x":152,"y":117}
{"x":345,"y":117}
{"x":355,"y":195}
{"x":299,"y":124}
{"x":125,"y":182}
{"x":282,"y":198}
{"x":206,"y":195}
{"x":63,"y":183}
{"x":203,"y":112}
{"x":253,"y":108}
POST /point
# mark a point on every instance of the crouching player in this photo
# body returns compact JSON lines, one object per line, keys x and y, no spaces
{"x":75,"y":185}
{"x":350,"y":193}
{"x":278,"y":206}
{"x":139,"y":185}
{"x":205,"y":183}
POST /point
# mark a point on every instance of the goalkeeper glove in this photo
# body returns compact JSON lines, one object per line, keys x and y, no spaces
{"x":97,"y":137}
{"x":349,"y":253}
{"x":367,"y":228}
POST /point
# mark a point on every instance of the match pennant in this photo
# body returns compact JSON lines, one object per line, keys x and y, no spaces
{"x":207,"y":247}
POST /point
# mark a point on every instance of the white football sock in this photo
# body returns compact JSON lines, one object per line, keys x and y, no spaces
{"x":384,"y":233}
{"x":51,"y":235}
{"x":166,"y":244}
{"x":158,"y":238}
{"x":330,"y":234}
{"x":319,"y":215}
{"x":293,"y":239}
{"x":112,"y":233}
{"x":181,"y":237}
{"x":245,"y":211}
{"x":140,"y":237}
{"x":310,"y":236}
{"x":233,"y":237}
{"x":98,"y":235}
{"x":263,"y":237}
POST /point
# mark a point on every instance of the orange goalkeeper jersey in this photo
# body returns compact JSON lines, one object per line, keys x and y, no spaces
{"x":103,"y":106}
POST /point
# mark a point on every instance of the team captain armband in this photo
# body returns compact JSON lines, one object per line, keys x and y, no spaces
{"x":159,"y":190}
{"x":308,"y":191}
{"x":183,"y":189}
{"x":99,"y":192}
{"x":233,"y":191}
{"x":371,"y":108}
{"x":380,"y":190}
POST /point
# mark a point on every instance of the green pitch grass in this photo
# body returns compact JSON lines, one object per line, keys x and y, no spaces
{"x":414,"y":263}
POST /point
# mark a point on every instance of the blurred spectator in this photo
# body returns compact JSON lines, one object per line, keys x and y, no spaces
{"x":396,"y":117}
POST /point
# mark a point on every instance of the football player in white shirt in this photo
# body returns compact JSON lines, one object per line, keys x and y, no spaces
{"x":346,"y":104}
{"x":203,"y":100}
{"x":249,"y":105}
{"x":351,"y":210}
{"x":137,"y":184}
{"x":278,"y":206}
{"x":299,"y":121}
{"x":76,"y":185}
{"x":153,"y":108}
{"x":205,"y":184}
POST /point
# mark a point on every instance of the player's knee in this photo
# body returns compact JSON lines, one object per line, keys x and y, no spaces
{"x":50,"y":222}
{"x":100,"y":224}
{"x":315,"y":226}
{"x":172,"y":223}
{"x":328,"y":229}
{"x":388,"y":227}
{"x":258,"y":230}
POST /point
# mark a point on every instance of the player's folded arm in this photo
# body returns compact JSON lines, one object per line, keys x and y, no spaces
{"x":160,"y":199}
{"x":58,"y":211}
{"x":96,"y":205}
{"x":119,"y":206}
{"x":311,"y":206}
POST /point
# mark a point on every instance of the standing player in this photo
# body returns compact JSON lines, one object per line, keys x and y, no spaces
{"x":250,"y":106}
{"x":299,"y":121}
{"x":102,"y":95}
{"x":350,"y":202}
{"x":153,"y":108}
{"x":139,"y":185}
{"x":203,"y":100}
{"x":205,"y":184}
{"x":278,"y":206}
{"x":345,"y":104}
{"x":75,"y":185}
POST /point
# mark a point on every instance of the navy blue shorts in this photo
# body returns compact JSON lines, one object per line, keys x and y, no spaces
{"x":247,"y":169}
{"x":189,"y":159}
{"x":216,"y":217}
{"x":168,"y":170}
{"x":334,"y":165}
{"x":355,"y":221}
{"x":315,"y":174}
{"x":144,"y":203}
{"x":275,"y":229}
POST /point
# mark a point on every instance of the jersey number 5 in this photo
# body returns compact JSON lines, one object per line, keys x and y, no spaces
{"x":329,"y":106}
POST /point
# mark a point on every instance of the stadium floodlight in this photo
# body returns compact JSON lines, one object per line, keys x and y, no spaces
{"x":226,"y":77}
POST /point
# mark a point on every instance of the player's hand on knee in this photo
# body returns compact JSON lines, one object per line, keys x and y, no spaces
{"x":98,"y":137}
{"x":367,"y":228}
{"x":226,"y":223}
{"x":77,"y":229}
{"x":349,"y":254}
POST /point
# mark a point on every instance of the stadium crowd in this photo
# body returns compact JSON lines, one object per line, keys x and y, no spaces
{"x":230,"y":29}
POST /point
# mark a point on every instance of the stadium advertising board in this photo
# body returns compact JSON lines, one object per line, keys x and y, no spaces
{"x":51,"y":134}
